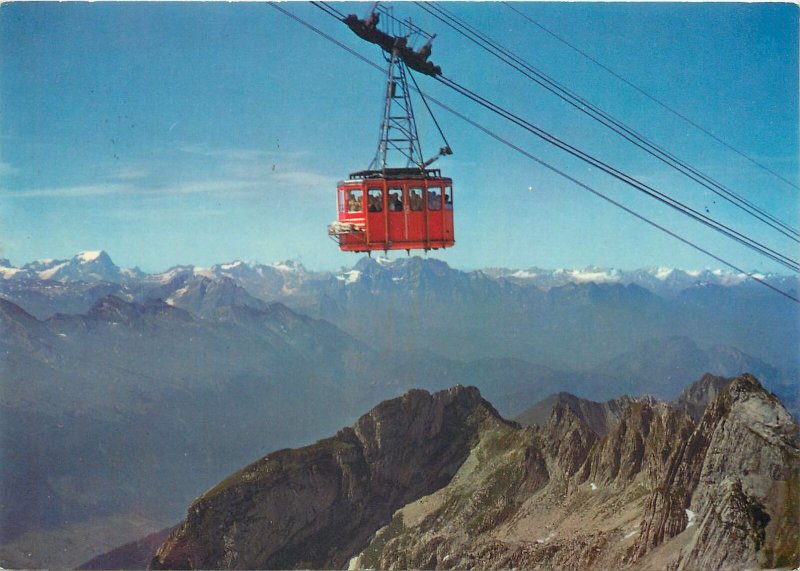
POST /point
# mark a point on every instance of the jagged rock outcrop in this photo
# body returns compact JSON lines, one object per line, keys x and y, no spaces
{"x":316,"y":506}
{"x":440,"y":481}
{"x":660,"y":490}
{"x":600,"y":416}
{"x":694,"y":398}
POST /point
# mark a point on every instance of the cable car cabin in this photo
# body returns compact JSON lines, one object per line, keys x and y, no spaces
{"x":394,"y":209}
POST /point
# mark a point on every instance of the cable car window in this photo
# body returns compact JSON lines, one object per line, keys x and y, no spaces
{"x":415,"y":199}
{"x":396,"y":199}
{"x":375,"y":200}
{"x":342,"y":200}
{"x":434,"y":198}
{"x":354,"y":200}
{"x":448,"y":198}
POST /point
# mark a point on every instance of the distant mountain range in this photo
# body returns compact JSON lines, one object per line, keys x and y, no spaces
{"x":556,"y":318}
{"x":94,"y":266}
{"x":112,"y":377}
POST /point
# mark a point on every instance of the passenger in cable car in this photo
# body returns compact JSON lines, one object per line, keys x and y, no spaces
{"x":434,"y":199}
{"x":415,"y":200}
{"x":375,"y":203}
{"x":353,"y":204}
{"x":395,"y":204}
{"x":448,"y":203}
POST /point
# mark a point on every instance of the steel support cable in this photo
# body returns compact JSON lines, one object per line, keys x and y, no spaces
{"x":326,"y":8}
{"x":627,"y":179}
{"x":428,"y":107}
{"x":545,"y":164}
{"x":651,"y":97}
{"x":588,"y":108}
{"x":329,"y":7}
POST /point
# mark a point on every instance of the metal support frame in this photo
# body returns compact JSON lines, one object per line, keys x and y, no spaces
{"x":399,"y":127}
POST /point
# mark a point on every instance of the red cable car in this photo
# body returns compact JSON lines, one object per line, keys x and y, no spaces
{"x":395,"y":209}
{"x":405,"y":208}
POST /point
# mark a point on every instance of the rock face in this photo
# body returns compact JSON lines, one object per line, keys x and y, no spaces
{"x":599,"y":416}
{"x":440,"y":481}
{"x":316,"y":506}
{"x":658,"y":491}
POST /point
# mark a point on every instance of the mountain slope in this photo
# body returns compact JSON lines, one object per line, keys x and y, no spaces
{"x":314,"y":506}
{"x":657,"y":490}
{"x":95,"y":406}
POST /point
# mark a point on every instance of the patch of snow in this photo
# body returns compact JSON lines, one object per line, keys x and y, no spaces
{"x":593,"y":486}
{"x":550,"y":536}
{"x":289,"y":266}
{"x":171,"y":273}
{"x":179,"y":292}
{"x":582,"y":276}
{"x":693,"y":273}
{"x":231,"y":265}
{"x":48,"y":274}
{"x":663,"y":273}
{"x":349,"y":277}
{"x":62,"y":334}
{"x":631,"y":533}
{"x":203,"y":272}
{"x":353,"y":563}
{"x":524,"y":274}
{"x":383,"y":260}
{"x":88,"y":256}
{"x":8,"y":272}
{"x":690,"y":515}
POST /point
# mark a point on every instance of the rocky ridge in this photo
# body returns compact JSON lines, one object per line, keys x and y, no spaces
{"x":313,"y":507}
{"x":440,"y":481}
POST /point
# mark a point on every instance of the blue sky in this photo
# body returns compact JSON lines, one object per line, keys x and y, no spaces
{"x":198,"y":133}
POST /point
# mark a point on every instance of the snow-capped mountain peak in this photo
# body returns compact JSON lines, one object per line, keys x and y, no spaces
{"x":89,"y":256}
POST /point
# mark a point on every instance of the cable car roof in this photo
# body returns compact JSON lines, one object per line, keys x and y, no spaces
{"x":397,"y":174}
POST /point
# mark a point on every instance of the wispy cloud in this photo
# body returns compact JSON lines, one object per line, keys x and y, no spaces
{"x":6,"y":169}
{"x":211,"y":187}
{"x":131,"y":174}
{"x":243,"y":155}
{"x":71,"y":191}
{"x":304,"y":179}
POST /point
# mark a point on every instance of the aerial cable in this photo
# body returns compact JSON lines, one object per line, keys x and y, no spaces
{"x":619,"y":175}
{"x":609,"y":121}
{"x":582,"y":105}
{"x":651,"y":97}
{"x":428,"y":107}
{"x":327,"y":7}
{"x":612,"y":201}
{"x":545,"y":164}
{"x":653,"y":193}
